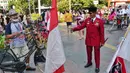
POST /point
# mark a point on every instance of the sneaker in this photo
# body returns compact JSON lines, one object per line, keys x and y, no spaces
{"x":30,"y":69}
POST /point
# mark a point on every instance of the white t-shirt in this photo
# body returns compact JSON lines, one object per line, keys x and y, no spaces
{"x":125,"y":11}
{"x":128,"y":12}
{"x":98,"y":16}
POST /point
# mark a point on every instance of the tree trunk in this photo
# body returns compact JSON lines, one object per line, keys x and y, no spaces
{"x":34,"y":6}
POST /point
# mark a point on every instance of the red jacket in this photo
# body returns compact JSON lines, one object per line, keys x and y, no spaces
{"x":94,"y":31}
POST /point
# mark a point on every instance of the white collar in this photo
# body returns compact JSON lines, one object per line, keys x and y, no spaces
{"x":94,"y":19}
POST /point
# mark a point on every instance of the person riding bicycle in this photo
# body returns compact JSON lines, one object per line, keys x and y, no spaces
{"x":14,"y":32}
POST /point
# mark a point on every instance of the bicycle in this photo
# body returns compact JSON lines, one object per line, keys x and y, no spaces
{"x":124,"y":23}
{"x":14,"y":64}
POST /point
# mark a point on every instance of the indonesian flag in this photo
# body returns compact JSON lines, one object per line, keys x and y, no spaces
{"x":55,"y":54}
{"x":118,"y":65}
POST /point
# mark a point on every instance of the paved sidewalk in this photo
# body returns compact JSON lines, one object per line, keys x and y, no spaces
{"x":75,"y":52}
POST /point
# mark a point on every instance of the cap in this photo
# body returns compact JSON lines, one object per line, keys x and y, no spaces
{"x":12,"y":12}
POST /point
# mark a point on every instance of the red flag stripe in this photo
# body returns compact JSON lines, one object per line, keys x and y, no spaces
{"x":118,"y":66}
{"x":60,"y":70}
{"x":53,"y":12}
{"x":121,"y":60}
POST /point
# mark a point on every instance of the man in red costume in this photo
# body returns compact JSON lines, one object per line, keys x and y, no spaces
{"x":94,"y":37}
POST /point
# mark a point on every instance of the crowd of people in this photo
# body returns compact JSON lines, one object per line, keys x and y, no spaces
{"x":121,"y":15}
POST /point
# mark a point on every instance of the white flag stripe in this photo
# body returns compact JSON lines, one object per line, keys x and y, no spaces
{"x":114,"y":57}
{"x":118,"y":50}
{"x":55,"y":54}
{"x":125,"y":49}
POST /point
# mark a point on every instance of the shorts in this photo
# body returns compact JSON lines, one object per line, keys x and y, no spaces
{"x":20,"y":51}
{"x":69,"y":24}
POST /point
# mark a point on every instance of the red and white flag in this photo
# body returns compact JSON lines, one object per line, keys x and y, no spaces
{"x":118,"y":65}
{"x":55,"y":58}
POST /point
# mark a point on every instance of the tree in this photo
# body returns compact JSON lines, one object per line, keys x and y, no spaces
{"x":102,"y":3}
{"x":81,"y":4}
{"x":46,"y":2}
{"x":21,"y":6}
{"x":75,"y":4}
{"x":63,"y":5}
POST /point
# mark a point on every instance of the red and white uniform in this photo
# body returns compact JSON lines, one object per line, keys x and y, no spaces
{"x":94,"y":37}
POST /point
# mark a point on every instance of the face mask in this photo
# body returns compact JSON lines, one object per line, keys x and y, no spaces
{"x":15,"y":20}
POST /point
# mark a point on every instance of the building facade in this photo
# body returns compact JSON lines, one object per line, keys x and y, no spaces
{"x":118,"y":2}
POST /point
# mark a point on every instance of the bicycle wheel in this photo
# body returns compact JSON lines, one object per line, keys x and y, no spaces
{"x":9,"y":64}
{"x":6,"y":56}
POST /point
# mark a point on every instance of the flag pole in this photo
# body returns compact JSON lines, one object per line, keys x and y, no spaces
{"x":120,"y":45}
{"x":39,"y":6}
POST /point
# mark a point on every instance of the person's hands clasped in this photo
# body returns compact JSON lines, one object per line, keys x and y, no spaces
{"x":16,"y":34}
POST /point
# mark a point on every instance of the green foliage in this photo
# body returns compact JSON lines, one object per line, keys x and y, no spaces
{"x":2,"y":40}
{"x":46,"y":2}
{"x":63,"y":5}
{"x":79,"y":4}
{"x":21,"y":6}
{"x":102,"y":3}
{"x":35,"y":16}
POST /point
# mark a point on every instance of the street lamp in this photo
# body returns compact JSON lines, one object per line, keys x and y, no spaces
{"x":39,"y":6}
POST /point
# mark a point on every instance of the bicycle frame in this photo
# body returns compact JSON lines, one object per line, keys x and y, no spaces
{"x":16,"y":65}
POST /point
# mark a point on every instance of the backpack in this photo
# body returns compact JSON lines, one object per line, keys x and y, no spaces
{"x":8,"y":27}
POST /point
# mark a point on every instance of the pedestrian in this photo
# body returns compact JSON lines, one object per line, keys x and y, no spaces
{"x":99,"y":14}
{"x":68,"y":20}
{"x":43,"y":15}
{"x":14,"y":32}
{"x":2,"y":21}
{"x":94,"y":37}
{"x":80,"y":19}
{"x":47,"y":17}
{"x":112,"y":16}
{"x":7,"y":19}
{"x":119,"y":14}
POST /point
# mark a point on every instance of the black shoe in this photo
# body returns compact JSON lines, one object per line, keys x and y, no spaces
{"x":97,"y":70}
{"x":88,"y":65}
{"x":30,"y":69}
